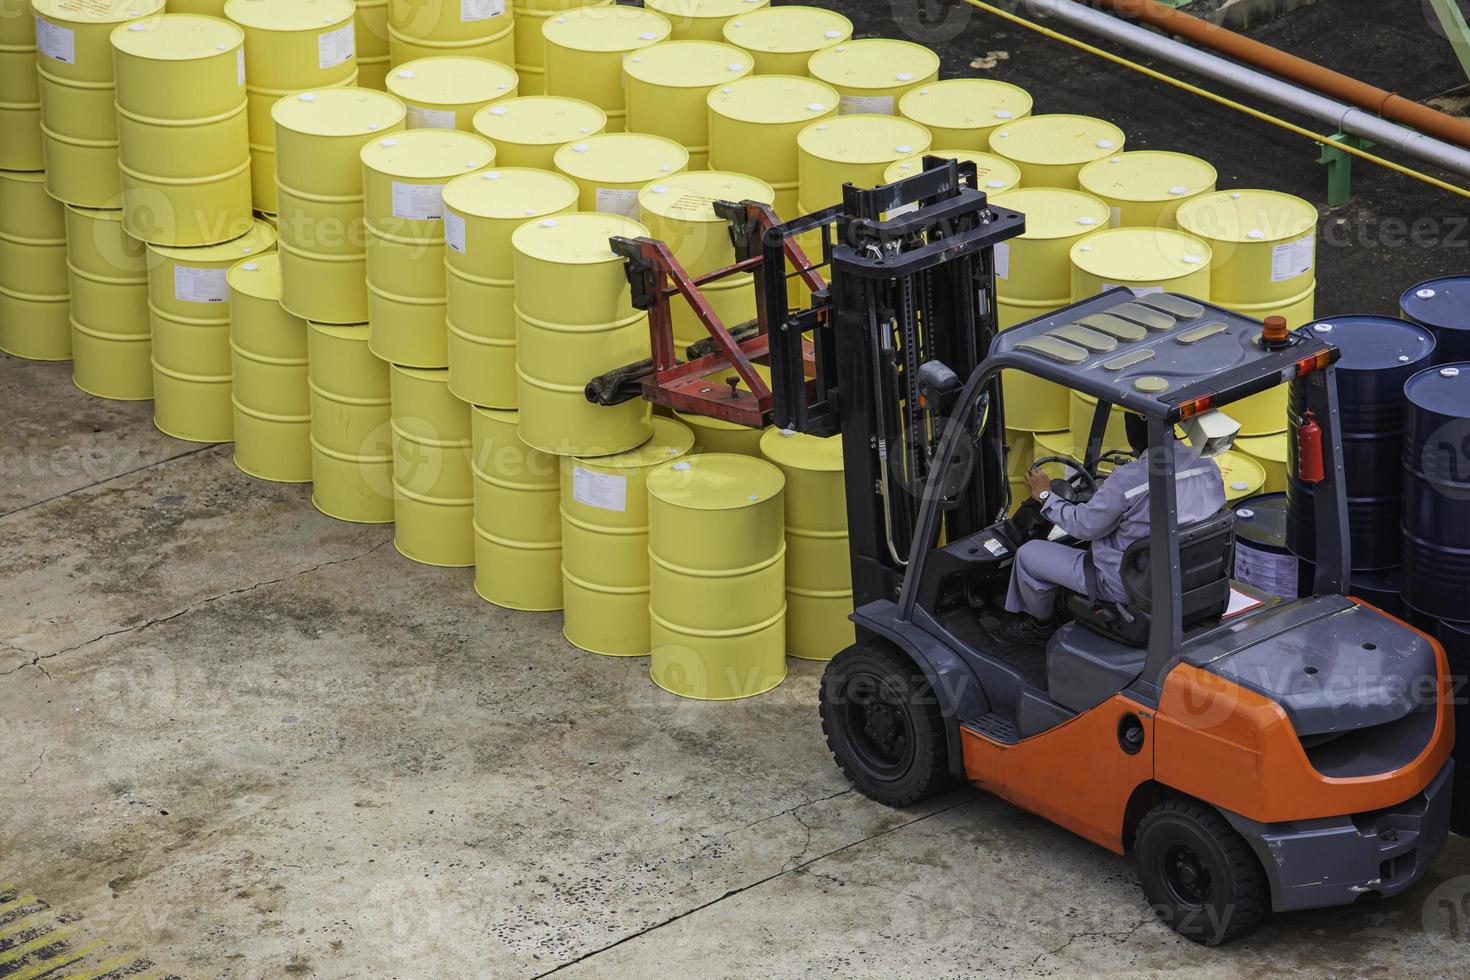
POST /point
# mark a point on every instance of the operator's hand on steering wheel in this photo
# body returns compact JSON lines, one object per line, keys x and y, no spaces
{"x":1037,"y":482}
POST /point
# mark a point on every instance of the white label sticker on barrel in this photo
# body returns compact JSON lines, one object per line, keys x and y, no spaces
{"x":454,"y":231}
{"x":872,"y":105}
{"x":424,"y":202}
{"x":195,"y":285}
{"x":56,"y":42}
{"x":473,"y":10}
{"x":1293,"y":259}
{"x":240,"y":65}
{"x":615,"y":200}
{"x":422,"y":118}
{"x":1003,"y":260}
{"x":1115,"y":220}
{"x":1268,"y":571}
{"x":336,"y":47}
{"x":604,"y":491}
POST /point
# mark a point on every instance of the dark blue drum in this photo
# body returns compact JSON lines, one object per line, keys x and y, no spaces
{"x":1262,"y":559}
{"x":1436,"y":540}
{"x":1379,"y":354}
{"x":1442,"y":305}
{"x":1455,"y":636}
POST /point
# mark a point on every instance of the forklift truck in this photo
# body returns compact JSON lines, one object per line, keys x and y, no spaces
{"x":1255,"y":753}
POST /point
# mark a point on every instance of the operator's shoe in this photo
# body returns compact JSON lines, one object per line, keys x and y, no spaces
{"x":1028,"y":629}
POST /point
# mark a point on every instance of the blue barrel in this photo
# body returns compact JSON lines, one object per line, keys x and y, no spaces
{"x":1436,"y":522}
{"x":1455,"y":637}
{"x":1379,"y":354}
{"x":1442,"y":305}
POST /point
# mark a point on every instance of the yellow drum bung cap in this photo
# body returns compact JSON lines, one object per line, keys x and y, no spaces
{"x":289,"y":15}
{"x":864,"y":139}
{"x":995,"y":175}
{"x":774,"y":99}
{"x":787,"y":30}
{"x":1057,"y":140}
{"x":580,"y":238}
{"x":1247,"y":217}
{"x":338,"y":111}
{"x":688,"y":64}
{"x":787,"y":447}
{"x":1055,"y":212}
{"x":1140,"y":255}
{"x":1148,"y":175}
{"x":260,"y":239}
{"x":178,"y":37}
{"x":509,"y":192}
{"x":716,"y":481}
{"x":876,"y":63}
{"x":258,"y":276}
{"x":690,"y":196}
{"x":449,"y":80}
{"x":670,"y":440}
{"x":606,"y":29}
{"x":423,"y":154}
{"x":622,"y":158}
{"x":540,"y":120}
{"x":966,"y":103}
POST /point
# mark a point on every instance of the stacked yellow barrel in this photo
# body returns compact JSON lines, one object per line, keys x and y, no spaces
{"x":34,"y":290}
{"x":446,"y":92}
{"x":111,"y":338}
{"x":527,"y":131}
{"x":351,"y":425}
{"x":962,"y":113}
{"x":585,"y":48}
{"x":666,"y":88}
{"x":471,"y":28}
{"x":702,"y":20}
{"x":517,"y":523}
{"x":873,"y":74}
{"x":20,"y":91}
{"x":1051,"y":150}
{"x":433,"y":492}
{"x":610,"y":169}
{"x":1145,"y":188}
{"x":271,"y":398}
{"x":783,"y":39}
{"x":373,"y":57}
{"x":754,"y":124}
{"x":530,"y":44}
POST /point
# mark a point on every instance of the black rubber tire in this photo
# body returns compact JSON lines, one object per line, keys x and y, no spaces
{"x":1236,"y":899}
{"x":921,"y":768}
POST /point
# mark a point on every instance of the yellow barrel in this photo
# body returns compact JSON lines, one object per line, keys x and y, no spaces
{"x":183,"y":130}
{"x":872,"y":74}
{"x":403,"y":181}
{"x":667,"y":88}
{"x":446,"y":92}
{"x":517,"y":523}
{"x":78,"y":117}
{"x":189,"y":309}
{"x":210,"y":8}
{"x":717,"y":577}
{"x":718,"y":436}
{"x":610,"y":168}
{"x":702,"y":20}
{"x":472,"y":28}
{"x":481,"y":213}
{"x":1244,"y":477}
{"x":1146,"y":187}
{"x":323,"y":243}
{"x":585,"y":49}
{"x":679,"y":212}
{"x":1080,"y":410}
{"x":1269,"y":452}
{"x":290,"y":46}
{"x":1148,"y":260}
{"x":527,"y":131}
{"x":531,"y":16}
{"x":351,"y":425}
{"x":604,"y":540}
{"x":34,"y":321}
{"x":1051,"y":150}
{"x":271,"y":397}
{"x":857,"y":150}
{"x":20,"y":90}
{"x":373,"y":59}
{"x":783,"y":39}
{"x":963,"y":112}
{"x":753,"y":125}
{"x":1032,"y":278}
{"x":433,"y":492}
{"x":574,"y":321}
{"x":1023,"y":448}
{"x":818,"y":563}
{"x":996,"y":175}
{"x":110,"y":337}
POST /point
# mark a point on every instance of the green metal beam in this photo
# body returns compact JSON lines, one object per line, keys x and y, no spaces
{"x":1452,"y":22}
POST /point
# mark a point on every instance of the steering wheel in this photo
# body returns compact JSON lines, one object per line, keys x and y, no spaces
{"x":1118,"y":457}
{"x":1072,"y":488}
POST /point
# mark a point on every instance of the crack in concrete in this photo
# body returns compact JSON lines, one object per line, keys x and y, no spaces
{"x":40,"y":761}
{"x":117,"y":476}
{"x":1120,"y":936}
{"x":37,"y":658}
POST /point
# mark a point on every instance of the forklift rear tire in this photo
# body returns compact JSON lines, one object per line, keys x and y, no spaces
{"x":883,"y":724}
{"x":1200,"y":876}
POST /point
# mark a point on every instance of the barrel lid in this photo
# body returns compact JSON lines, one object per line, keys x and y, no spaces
{"x":1443,"y":390}
{"x":1055,"y":212}
{"x":1261,"y":521}
{"x":690,"y":196}
{"x":799,"y":451}
{"x":289,"y":15}
{"x":260,"y":239}
{"x":1148,"y":175}
{"x":669,"y":441}
{"x":677,"y":10}
{"x":1270,"y":448}
{"x":624,"y":158}
{"x":1147,"y":255}
{"x":688,"y":64}
{"x":966,"y":103}
{"x":258,"y":276}
{"x":1057,"y":139}
{"x":428,"y":153}
{"x":874,"y":62}
{"x":451,"y":80}
{"x":580,"y":238}
{"x":996,"y":175}
{"x":1242,"y":474}
{"x":1442,"y":303}
{"x":716,"y":481}
{"x":1247,"y":216}
{"x":1375,"y":343}
{"x":177,"y":37}
{"x":338,"y":111}
{"x":511,"y":192}
{"x":864,"y":138}
{"x":787,"y":30}
{"x":95,"y":11}
{"x":606,"y":28}
{"x":774,"y":99}
{"x":539,"y":120}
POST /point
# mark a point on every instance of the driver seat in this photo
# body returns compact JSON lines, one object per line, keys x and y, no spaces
{"x":1206,"y":559}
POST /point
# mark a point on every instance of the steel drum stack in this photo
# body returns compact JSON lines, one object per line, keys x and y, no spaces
{"x":1443,"y":307}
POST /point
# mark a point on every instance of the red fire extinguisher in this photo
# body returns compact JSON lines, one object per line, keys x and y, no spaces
{"x":1309,"y":465}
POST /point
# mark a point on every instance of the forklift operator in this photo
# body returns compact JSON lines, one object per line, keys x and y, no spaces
{"x":1115,"y":517}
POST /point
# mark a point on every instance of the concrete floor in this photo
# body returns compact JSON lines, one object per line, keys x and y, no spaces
{"x":249,"y":741}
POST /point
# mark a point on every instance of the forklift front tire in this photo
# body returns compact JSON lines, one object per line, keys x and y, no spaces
{"x":883,"y":724}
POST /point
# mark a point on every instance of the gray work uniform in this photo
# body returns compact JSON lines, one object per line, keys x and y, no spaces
{"x":1115,"y":517}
